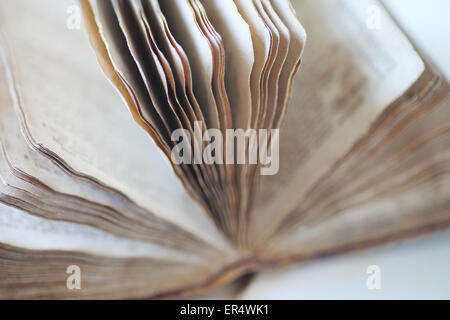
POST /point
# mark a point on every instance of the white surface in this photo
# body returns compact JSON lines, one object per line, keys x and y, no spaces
{"x":427,"y":23}
{"x":415,"y":270}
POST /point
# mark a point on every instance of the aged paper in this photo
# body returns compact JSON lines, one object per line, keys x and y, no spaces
{"x":349,"y":75}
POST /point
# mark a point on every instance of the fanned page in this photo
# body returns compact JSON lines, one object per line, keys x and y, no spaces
{"x":164,"y":148}
{"x":98,"y":145}
{"x":237,"y":86}
{"x":393,"y":184}
{"x":352,"y":180}
{"x":89,"y":187}
{"x":350,"y":75}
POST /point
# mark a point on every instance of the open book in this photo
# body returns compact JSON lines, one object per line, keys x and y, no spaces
{"x":117,"y":164}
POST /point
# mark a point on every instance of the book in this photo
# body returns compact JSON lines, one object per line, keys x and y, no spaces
{"x":122,"y":171}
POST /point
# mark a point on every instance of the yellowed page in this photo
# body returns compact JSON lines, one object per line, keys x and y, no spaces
{"x":349,"y":75}
{"x":71,"y":110}
{"x":402,"y":188}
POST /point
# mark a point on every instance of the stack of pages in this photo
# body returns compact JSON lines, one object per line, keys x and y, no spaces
{"x":168,"y":147}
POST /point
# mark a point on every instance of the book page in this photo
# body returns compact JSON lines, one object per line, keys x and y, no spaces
{"x":37,"y":255}
{"x":382,"y":191}
{"x":72,"y":111}
{"x":20,"y":229}
{"x":351,"y":71}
